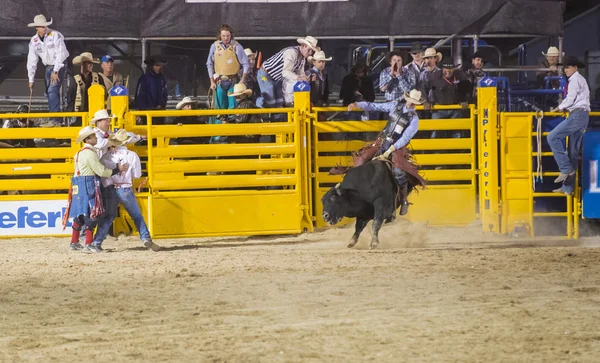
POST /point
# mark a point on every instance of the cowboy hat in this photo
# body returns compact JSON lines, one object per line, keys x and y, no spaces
{"x":449,"y":63}
{"x":185,"y":101}
{"x":249,"y":53}
{"x":84,"y":133}
{"x":571,"y":61}
{"x":416,"y":47}
{"x":552,"y":52}
{"x":241,"y":89}
{"x":319,"y":56}
{"x":85,"y":57}
{"x":310,"y":41}
{"x":119,"y":138}
{"x":100,"y":115}
{"x":414,"y":97}
{"x":431,"y":52}
{"x":40,"y":20}
{"x":155,"y":61}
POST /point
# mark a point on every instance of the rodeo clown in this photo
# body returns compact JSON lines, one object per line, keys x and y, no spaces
{"x":402,"y":125}
{"x":85,"y":200}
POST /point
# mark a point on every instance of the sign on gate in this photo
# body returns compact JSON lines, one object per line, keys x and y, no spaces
{"x":591,"y":179}
{"x":32,"y":218}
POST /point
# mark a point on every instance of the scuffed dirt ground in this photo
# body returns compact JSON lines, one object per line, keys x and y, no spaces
{"x":427,"y":295}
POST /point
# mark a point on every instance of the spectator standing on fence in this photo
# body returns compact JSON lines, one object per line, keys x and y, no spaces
{"x":417,"y":66}
{"x":577,"y":103}
{"x":448,"y":87}
{"x":319,"y":80}
{"x":110,"y":77}
{"x":119,"y":190}
{"x":357,"y":86}
{"x":396,"y":80}
{"x":78,"y":95}
{"x":278,"y":74}
{"x":49,"y":46}
{"x":225,"y":59}
{"x":85,"y":199}
{"x":475,"y":72}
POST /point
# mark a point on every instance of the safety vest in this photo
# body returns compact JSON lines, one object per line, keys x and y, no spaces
{"x":81,"y":89}
{"x":226,"y":62}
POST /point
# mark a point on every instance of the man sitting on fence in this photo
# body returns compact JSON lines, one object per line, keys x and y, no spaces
{"x":85,"y":200}
{"x":577,"y":102}
{"x":119,"y":190}
{"x":402,"y":125}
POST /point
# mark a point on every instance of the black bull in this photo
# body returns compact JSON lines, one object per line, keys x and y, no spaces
{"x":368,"y":191}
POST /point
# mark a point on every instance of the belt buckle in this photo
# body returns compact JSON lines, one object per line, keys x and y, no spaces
{"x":224,"y":78}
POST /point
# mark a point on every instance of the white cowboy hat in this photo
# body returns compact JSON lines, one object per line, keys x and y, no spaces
{"x":310,"y":41}
{"x":249,"y":53}
{"x":100,"y":115}
{"x":120,"y":138}
{"x":414,"y":97}
{"x":85,"y":57}
{"x":241,"y":89}
{"x":552,"y":52}
{"x":431,"y":52}
{"x":40,"y":20}
{"x":319,"y":56}
{"x":185,"y":101}
{"x":84,"y":133}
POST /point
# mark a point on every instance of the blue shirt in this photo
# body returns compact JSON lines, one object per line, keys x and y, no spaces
{"x":239,"y":52}
{"x":413,"y":124}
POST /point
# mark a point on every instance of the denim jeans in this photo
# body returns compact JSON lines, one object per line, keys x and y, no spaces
{"x":53,"y":90}
{"x":126,"y":198}
{"x":222,"y":98}
{"x":446,"y":114}
{"x":573,"y":126}
{"x":271,"y":90}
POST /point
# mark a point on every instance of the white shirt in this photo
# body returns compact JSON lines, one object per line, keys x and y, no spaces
{"x":122,"y":155}
{"x":578,"y":94}
{"x":102,"y":137}
{"x":52,"y":51}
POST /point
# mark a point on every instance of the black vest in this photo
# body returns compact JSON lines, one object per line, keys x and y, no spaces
{"x":398,"y":121}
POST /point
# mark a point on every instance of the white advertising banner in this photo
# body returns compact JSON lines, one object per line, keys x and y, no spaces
{"x":33,"y":218}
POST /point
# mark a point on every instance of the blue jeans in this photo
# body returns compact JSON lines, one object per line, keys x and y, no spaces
{"x":271,"y":90}
{"x":53,"y":90}
{"x":223,"y":100}
{"x":573,"y":126}
{"x":446,"y":114}
{"x":126,"y":198}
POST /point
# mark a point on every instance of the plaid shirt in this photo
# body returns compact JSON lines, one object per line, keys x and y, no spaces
{"x":396,"y":86}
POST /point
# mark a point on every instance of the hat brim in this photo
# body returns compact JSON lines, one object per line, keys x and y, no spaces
{"x":117,"y":142}
{"x":94,"y":120}
{"x":324,"y":59}
{"x":413,"y":100}
{"x":303,"y":41}
{"x":79,"y":59}
{"x":450,"y":66}
{"x":247,"y":92}
{"x":578,"y":65}
{"x":35,"y":25}
{"x":438,"y":56}
{"x":152,"y":62}
{"x":552,"y":55}
{"x":80,"y":138}
{"x":181,"y":104}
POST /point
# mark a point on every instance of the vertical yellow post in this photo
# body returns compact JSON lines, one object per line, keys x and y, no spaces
{"x":96,"y":99}
{"x":302,"y":109}
{"x":119,"y":102}
{"x":487,"y":106}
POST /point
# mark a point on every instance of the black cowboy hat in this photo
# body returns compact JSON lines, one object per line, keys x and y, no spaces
{"x":447,"y":62}
{"x":478,"y":54}
{"x":571,"y":61}
{"x":155,"y":60}
{"x":417,"y":47}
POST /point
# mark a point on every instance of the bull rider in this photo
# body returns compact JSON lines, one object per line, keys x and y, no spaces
{"x":402,"y":125}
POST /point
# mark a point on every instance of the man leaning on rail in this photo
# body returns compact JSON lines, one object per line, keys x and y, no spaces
{"x":577,"y":102}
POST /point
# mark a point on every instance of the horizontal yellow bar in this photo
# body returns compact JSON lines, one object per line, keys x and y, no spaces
{"x":550,"y":173}
{"x":224,"y":181}
{"x":429,"y":175}
{"x":349,"y":126}
{"x":183,"y":151}
{"x":543,"y":133}
{"x":174,"y":113}
{"x":195,"y":166}
{"x":539,"y":195}
{"x":544,"y":153}
{"x":339,"y":146}
{"x":555,"y":214}
{"x":220,"y":193}
{"x":223,"y":130}
{"x":446,"y":124}
{"x":36,"y":184}
{"x":38,"y":169}
{"x":40,"y":133}
{"x":42,"y":115}
{"x":441,"y":144}
{"x":33,"y":197}
{"x":41,"y":153}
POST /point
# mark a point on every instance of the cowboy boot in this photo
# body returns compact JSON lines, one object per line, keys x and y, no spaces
{"x":400,"y":177}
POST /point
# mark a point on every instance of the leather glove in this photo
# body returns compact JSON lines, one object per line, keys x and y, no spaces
{"x":386,"y":154}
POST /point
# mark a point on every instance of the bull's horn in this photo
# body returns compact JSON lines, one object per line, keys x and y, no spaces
{"x":337,"y":185}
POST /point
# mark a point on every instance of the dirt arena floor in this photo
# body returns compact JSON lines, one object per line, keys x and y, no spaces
{"x":426,"y":295}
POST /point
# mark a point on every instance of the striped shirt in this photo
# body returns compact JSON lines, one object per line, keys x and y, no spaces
{"x":288,"y":63}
